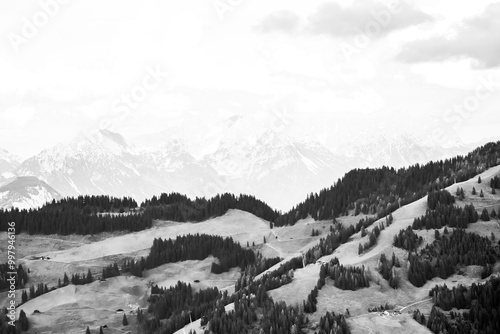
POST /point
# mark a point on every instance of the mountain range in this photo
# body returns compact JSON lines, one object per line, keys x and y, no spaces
{"x":270,"y":165}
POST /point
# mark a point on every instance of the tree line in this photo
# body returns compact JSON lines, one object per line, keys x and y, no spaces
{"x":65,"y":219}
{"x":21,"y":277}
{"x":96,"y":203}
{"x":446,"y":215}
{"x":198,"y":247}
{"x":383,"y":190}
{"x":177,"y":207}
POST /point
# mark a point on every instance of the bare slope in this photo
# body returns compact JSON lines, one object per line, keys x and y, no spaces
{"x":241,"y":226}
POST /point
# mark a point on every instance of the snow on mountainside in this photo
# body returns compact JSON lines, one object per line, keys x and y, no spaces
{"x":236,"y":156}
{"x":102,"y":162}
{"x":26,"y":193}
{"x":277,"y":169}
{"x":397,"y":150}
{"x":8,"y":163}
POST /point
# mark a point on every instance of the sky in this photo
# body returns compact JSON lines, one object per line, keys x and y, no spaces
{"x":340,"y":71}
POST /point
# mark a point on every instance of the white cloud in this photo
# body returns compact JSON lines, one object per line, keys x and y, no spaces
{"x":475,"y":38}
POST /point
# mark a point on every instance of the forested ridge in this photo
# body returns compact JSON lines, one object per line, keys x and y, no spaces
{"x":198,"y":247}
{"x":178,"y":207}
{"x":382,"y":190}
{"x":81,"y":215}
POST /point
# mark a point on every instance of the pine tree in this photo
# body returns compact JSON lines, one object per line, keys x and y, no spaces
{"x":24,"y":297}
{"x":479,"y":180}
{"x":481,"y":193}
{"x":474,"y":191}
{"x":23,"y":321}
{"x":89,"y":277}
{"x":124,"y":320}
{"x":100,"y":330}
{"x":32,"y":292}
{"x":88,"y":330}
{"x":485,"y":216}
{"x":65,"y":280}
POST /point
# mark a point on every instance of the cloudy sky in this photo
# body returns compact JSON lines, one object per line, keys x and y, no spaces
{"x":340,"y":70}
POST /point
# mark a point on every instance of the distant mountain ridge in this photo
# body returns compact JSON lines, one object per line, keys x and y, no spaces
{"x":8,"y":163}
{"x":232,"y":156}
{"x":26,"y":192}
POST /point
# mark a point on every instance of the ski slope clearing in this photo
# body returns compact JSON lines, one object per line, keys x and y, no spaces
{"x":72,"y":308}
{"x":385,"y":323}
{"x":190,"y":271}
{"x":241,"y":226}
{"x":304,"y":280}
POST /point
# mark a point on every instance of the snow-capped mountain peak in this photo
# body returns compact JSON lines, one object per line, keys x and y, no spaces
{"x":26,"y":193}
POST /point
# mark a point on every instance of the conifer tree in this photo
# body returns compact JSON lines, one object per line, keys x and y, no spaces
{"x":89,"y":277}
{"x":24,"y":297}
{"x":23,"y":321}
{"x":65,"y":280}
{"x":124,"y":320}
{"x":88,"y":330}
{"x":485,"y":216}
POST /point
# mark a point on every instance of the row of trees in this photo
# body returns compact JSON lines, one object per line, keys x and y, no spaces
{"x":21,"y":277}
{"x":345,"y":278}
{"x":446,"y":215}
{"x":198,"y":247}
{"x":372,"y":238}
{"x":65,"y":219}
{"x":95,"y":203}
{"x":177,"y":207}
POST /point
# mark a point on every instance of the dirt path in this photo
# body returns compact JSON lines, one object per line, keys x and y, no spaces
{"x":415,"y":303}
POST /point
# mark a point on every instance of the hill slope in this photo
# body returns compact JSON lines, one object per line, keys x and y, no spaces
{"x":26,"y":193}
